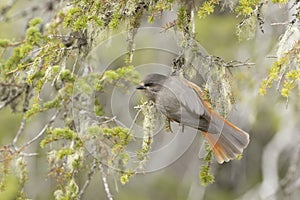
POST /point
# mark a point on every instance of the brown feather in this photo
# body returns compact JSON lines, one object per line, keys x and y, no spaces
{"x":231,"y":141}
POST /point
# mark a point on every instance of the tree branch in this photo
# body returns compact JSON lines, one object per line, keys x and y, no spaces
{"x":105,"y":183}
{"x":20,"y":131}
{"x":87,"y":182}
{"x":8,"y":101}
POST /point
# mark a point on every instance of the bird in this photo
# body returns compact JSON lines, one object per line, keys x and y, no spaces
{"x":182,"y":101}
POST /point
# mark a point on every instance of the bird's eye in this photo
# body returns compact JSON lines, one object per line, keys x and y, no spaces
{"x":148,"y":84}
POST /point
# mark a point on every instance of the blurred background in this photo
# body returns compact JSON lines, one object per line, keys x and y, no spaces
{"x":273,"y":125}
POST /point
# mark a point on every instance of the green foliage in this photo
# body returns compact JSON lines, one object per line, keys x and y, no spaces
{"x":113,"y":24}
{"x":118,"y":132}
{"x":21,"y":168}
{"x":18,"y":53}
{"x":57,"y":102}
{"x":72,"y":16}
{"x":125,"y":177}
{"x":66,"y":162}
{"x":4,"y":167}
{"x":207,"y":8}
{"x":291,"y":79}
{"x":72,"y":191}
{"x":98,"y":109}
{"x":158,"y":7}
{"x":118,"y":77}
{"x":35,"y":22}
{"x":4,"y":43}
{"x":162,"y":5}
{"x":274,"y":74}
{"x":247,"y":29}
{"x":182,"y":19}
{"x":20,"y":172}
{"x":127,"y":73}
{"x":204,"y":175}
{"x":60,"y":134}
{"x":246,"y":7}
{"x":35,"y":108}
{"x":33,"y":37}
{"x":285,"y":70}
{"x":110,"y":146}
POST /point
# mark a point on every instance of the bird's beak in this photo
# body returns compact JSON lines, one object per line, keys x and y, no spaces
{"x":141,"y":87}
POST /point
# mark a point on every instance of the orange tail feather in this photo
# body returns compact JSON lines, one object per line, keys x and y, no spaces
{"x":229,"y":143}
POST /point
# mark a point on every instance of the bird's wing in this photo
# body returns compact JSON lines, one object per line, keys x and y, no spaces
{"x":186,"y":95}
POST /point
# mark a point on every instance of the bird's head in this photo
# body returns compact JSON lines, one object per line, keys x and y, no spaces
{"x":152,"y":84}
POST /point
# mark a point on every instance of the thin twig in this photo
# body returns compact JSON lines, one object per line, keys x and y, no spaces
{"x":133,"y":121}
{"x":28,"y":154}
{"x":20,"y":131}
{"x":74,"y":65}
{"x":23,"y":122}
{"x":108,"y":120}
{"x":231,"y":64}
{"x":280,"y":80}
{"x":106,"y":186}
{"x":168,"y":26}
{"x":272,"y":56}
{"x":239,"y":64}
{"x":42,"y":131}
{"x":100,"y":118}
{"x":279,"y":23}
{"x":87,"y":182}
{"x":8,"y":101}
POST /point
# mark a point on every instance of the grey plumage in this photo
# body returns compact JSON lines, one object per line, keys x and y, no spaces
{"x":180,"y":100}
